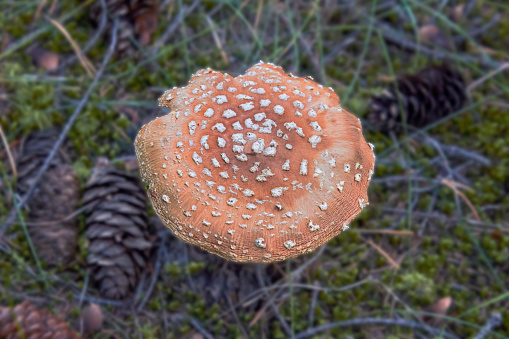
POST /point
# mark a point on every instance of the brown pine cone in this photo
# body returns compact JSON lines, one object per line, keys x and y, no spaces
{"x":56,"y":197}
{"x":425,"y":97}
{"x":117,"y":229}
{"x":30,"y":322}
{"x":137,"y":20}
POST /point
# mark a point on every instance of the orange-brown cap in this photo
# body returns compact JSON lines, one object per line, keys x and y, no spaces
{"x":257,"y":168}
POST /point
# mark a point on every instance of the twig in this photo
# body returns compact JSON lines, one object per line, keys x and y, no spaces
{"x":456,"y":151}
{"x":66,"y":218}
{"x":235,"y":316}
{"x":432,"y":215}
{"x":64,"y":132}
{"x":294,"y":276}
{"x":441,"y":153}
{"x":315,"y":62}
{"x":100,"y":301}
{"x":136,"y":322}
{"x":196,"y":324}
{"x":426,"y":219}
{"x":282,"y":321}
{"x":308,"y":287}
{"x":468,"y":8}
{"x":312,"y":306}
{"x":500,"y":227}
{"x":139,"y":288}
{"x":403,"y":178}
{"x":375,"y":321}
{"x":84,"y":289}
{"x":8,"y":150}
{"x":165,"y":320}
{"x":494,"y":321}
{"x":401,"y":40}
{"x":350,"y":39}
{"x":155,"y":275}
{"x":478,"y":31}
{"x":173,"y":27}
{"x":304,"y":266}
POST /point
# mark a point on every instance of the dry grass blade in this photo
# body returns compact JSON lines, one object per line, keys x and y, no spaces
{"x":217,"y":41}
{"x":454,"y":187}
{"x":258,"y":315}
{"x":53,"y":6}
{"x":488,"y":76}
{"x":8,"y":150}
{"x":87,"y":65}
{"x":388,"y":232}
{"x":258,"y":15}
{"x":39,"y":9}
{"x":439,"y":310}
{"x":383,"y":253}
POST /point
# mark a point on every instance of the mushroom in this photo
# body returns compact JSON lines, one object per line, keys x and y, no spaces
{"x":258,"y":168}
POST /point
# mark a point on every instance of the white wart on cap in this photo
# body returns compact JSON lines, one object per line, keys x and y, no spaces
{"x":257,"y":168}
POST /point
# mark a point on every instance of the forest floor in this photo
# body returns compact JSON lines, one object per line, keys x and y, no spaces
{"x":428,"y":258}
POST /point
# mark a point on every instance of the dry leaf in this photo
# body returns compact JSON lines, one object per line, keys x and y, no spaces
{"x":385,"y":78}
{"x":44,"y":59}
{"x":439,"y":308}
{"x":194,"y":335}
{"x":145,"y":25}
{"x":92,"y":318}
{"x":457,"y":12}
{"x":431,"y":34}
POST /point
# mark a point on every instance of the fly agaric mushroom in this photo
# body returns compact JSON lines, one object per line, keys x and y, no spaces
{"x":257,"y":168}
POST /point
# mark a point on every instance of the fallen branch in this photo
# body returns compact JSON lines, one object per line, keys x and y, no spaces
{"x":494,"y":321}
{"x":456,"y":151}
{"x":400,"y":39}
{"x":375,"y":321}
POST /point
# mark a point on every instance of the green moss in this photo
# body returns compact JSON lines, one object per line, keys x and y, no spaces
{"x":416,"y":286}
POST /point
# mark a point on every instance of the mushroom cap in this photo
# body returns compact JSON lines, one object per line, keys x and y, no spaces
{"x":257,"y":168}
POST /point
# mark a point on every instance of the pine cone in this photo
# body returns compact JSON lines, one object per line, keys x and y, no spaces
{"x":425,"y":97}
{"x":117,"y":229}
{"x":56,"y":197}
{"x":27,"y":321}
{"x":137,"y":19}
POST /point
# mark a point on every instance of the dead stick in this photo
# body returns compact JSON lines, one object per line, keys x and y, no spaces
{"x":494,"y":321}
{"x":374,"y":321}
